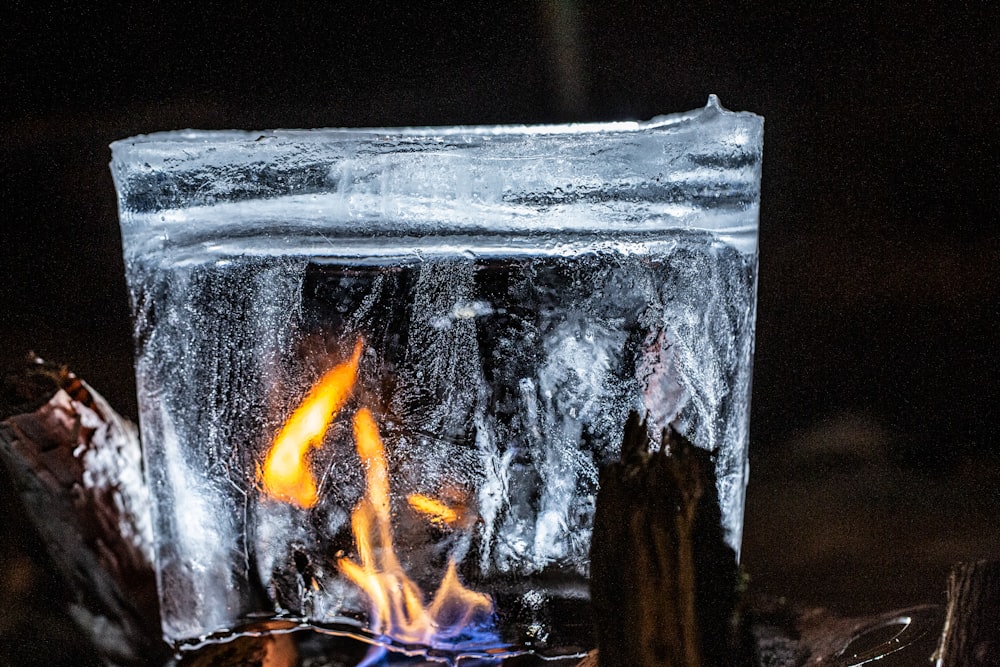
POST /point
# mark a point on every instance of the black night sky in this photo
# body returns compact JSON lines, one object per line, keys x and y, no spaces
{"x":879,"y":295}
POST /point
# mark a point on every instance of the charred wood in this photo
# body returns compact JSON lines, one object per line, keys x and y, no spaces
{"x":75,"y":466}
{"x":971,"y":634}
{"x":664,"y":584}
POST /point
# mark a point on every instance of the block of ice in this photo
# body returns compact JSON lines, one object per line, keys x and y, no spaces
{"x":512,"y":293}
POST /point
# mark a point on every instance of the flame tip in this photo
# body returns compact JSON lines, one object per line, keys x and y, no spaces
{"x":286,"y":475}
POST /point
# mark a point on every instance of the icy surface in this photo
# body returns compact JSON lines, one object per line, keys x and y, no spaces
{"x":501,"y":385}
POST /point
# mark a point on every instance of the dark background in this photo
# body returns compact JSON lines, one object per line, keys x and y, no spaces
{"x":874,"y":449}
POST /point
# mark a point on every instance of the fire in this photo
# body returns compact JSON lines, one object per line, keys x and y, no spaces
{"x":286,"y":475}
{"x":435,"y":510}
{"x":397,"y":607}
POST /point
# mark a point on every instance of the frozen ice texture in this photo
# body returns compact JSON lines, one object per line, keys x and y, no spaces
{"x":518,"y":292}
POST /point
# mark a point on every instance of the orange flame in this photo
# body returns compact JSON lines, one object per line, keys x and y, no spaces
{"x":285,"y":474}
{"x":397,"y":602}
{"x":435,"y":510}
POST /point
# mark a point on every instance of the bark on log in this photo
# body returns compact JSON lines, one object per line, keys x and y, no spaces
{"x":75,"y":466}
{"x":663,"y":581}
{"x":971,"y":634}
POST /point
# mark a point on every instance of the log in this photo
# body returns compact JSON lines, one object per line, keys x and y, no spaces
{"x":75,"y":466}
{"x":971,"y":634}
{"x":664,"y":584}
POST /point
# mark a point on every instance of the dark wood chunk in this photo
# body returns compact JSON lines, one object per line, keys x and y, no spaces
{"x":663,"y":581}
{"x":971,"y":634}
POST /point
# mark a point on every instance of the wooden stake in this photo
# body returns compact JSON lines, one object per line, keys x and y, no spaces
{"x":971,"y":634}
{"x":663,"y":580}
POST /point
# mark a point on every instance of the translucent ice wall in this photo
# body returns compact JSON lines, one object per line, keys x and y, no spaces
{"x":518,"y":289}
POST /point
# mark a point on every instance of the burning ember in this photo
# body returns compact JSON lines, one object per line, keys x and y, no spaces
{"x":397,"y":604}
